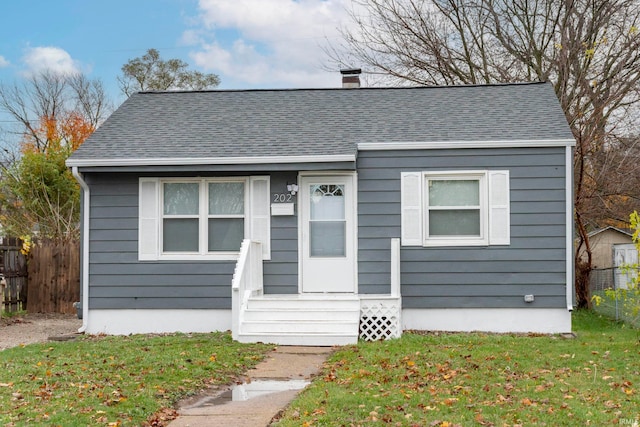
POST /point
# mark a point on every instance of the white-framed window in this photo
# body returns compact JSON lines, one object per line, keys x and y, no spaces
{"x":455,"y":208}
{"x":202,"y":218}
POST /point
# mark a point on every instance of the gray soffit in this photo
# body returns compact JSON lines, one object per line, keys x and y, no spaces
{"x":316,"y":125}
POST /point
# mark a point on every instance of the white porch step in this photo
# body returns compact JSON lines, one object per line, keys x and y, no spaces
{"x":287,"y":314}
{"x":301,"y":319}
{"x":305,"y":302}
{"x":320,"y":340}
{"x":299,"y":326}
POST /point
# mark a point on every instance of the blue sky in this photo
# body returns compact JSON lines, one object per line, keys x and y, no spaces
{"x":248,"y":43}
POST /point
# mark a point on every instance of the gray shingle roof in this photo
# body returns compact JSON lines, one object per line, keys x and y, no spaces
{"x":320,"y":122}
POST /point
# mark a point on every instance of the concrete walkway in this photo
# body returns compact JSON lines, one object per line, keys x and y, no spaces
{"x":251,"y":404}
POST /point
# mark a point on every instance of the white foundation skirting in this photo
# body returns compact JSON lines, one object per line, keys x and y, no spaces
{"x":125,"y":322}
{"x":540,"y":320}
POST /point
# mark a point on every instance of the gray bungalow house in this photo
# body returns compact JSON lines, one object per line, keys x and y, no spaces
{"x":320,"y":216}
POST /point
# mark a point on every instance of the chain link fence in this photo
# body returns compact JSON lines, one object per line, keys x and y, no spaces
{"x":615,"y":293}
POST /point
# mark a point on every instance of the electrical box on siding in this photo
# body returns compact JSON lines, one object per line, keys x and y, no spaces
{"x":282,"y":209}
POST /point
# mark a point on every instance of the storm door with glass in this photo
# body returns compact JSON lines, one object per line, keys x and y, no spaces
{"x":327,"y":234}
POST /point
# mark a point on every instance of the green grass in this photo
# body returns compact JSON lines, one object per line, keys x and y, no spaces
{"x":10,"y":314}
{"x":114,"y":380}
{"x":480,"y":380}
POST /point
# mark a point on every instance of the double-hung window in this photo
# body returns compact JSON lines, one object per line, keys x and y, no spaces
{"x":455,"y":208}
{"x":225,"y":216}
{"x":204,"y":218}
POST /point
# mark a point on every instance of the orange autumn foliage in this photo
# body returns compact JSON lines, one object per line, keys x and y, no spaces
{"x":54,"y":134}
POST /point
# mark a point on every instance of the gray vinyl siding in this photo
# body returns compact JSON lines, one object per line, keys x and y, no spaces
{"x":281,"y":272}
{"x":468,"y":277}
{"x":462,"y":277}
{"x":117,"y":280}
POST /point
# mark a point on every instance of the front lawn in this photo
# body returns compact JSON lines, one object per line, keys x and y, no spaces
{"x":117,"y":381}
{"x":480,"y":379}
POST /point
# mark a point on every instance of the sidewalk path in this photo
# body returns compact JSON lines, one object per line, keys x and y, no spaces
{"x":287,"y":367}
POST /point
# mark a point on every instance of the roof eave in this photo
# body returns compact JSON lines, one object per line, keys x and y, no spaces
{"x":610,"y":227}
{"x":180,"y":161}
{"x":434,"y":145}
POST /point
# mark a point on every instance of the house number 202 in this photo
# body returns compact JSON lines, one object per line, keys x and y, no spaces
{"x":282,"y":198}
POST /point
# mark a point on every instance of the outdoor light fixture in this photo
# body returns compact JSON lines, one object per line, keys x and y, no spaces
{"x":292,"y":188}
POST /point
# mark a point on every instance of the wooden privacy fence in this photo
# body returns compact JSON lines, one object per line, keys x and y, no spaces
{"x":13,"y":265}
{"x":54,"y":277}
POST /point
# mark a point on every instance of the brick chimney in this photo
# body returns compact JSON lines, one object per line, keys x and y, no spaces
{"x":351,"y":78}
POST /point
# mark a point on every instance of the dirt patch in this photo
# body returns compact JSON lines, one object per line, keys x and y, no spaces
{"x":37,"y":327}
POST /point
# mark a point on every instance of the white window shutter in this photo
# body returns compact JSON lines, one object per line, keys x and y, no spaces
{"x":259,"y":214}
{"x":148,"y":212}
{"x":499,"y":212}
{"x":411,"y":208}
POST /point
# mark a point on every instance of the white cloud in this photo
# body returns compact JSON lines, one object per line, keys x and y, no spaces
{"x":49,"y":58}
{"x":191,"y":37}
{"x":274,"y":43}
{"x":3,"y":62}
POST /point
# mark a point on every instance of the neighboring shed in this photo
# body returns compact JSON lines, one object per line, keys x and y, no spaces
{"x":317,"y":216}
{"x":603,"y":242}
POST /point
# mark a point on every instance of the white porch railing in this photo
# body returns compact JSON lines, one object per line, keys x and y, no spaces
{"x":247,"y":282}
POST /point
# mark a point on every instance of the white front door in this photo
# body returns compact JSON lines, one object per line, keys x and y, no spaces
{"x":327,"y":234}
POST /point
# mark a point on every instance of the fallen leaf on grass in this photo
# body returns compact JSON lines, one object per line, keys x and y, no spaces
{"x":319,"y":411}
{"x":609,"y":404}
{"x":159,"y":418}
{"x":480,"y":420}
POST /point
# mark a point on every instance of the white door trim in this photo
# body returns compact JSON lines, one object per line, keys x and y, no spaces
{"x":354,"y":236}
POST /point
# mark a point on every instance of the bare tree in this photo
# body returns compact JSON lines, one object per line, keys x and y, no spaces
{"x":588,"y":49}
{"x":89,"y":98}
{"x":51,"y":96}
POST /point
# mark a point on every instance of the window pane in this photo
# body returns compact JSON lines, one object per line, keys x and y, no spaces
{"x":327,"y":202}
{"x":225,"y":234}
{"x":454,"y":192}
{"x":181,"y":198}
{"x":327,"y":238}
{"x":226,"y":198}
{"x":454,"y":223}
{"x":180,"y":235}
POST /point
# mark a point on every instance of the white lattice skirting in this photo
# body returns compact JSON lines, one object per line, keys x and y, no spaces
{"x":380,"y":319}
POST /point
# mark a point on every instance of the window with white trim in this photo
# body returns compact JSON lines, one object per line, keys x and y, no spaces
{"x":204,"y":218}
{"x":455,"y":208}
